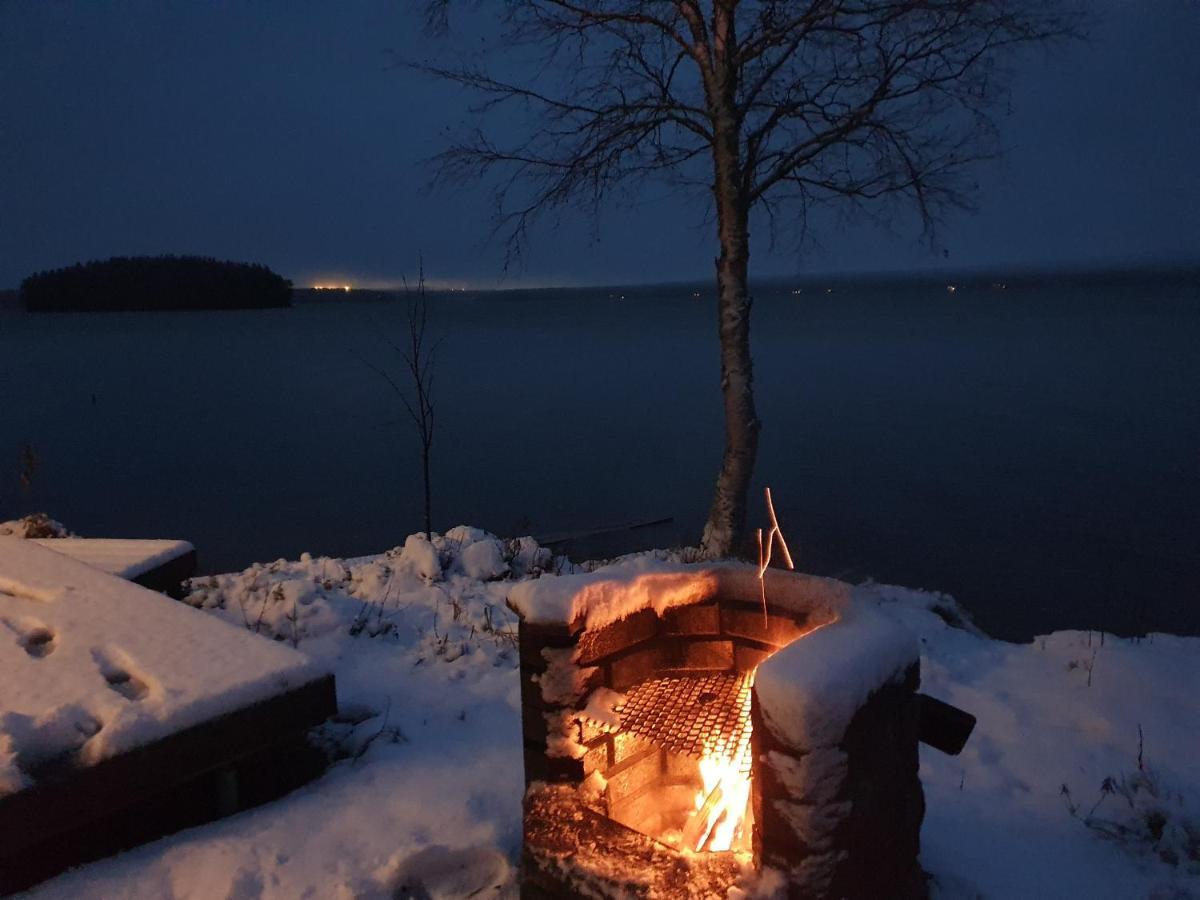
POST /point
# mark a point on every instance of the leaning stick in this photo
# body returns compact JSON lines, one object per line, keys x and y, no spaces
{"x":764,"y":560}
{"x":777,"y":532}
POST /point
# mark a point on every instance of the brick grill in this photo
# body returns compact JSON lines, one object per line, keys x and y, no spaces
{"x":687,"y":679}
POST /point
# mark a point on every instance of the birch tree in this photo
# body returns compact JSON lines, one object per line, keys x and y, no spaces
{"x":768,"y":106}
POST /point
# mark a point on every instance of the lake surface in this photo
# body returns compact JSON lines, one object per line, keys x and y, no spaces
{"x":1032,"y":449}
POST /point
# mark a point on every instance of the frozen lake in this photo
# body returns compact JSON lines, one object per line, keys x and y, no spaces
{"x":1033,"y":450}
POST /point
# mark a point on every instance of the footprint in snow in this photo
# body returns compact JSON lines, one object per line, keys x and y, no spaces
{"x":19,"y":591}
{"x":49,"y":742}
{"x":120,"y":674}
{"x":35,"y":637}
{"x":440,"y":873}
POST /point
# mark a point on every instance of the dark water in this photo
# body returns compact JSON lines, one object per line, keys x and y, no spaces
{"x":1033,"y":450}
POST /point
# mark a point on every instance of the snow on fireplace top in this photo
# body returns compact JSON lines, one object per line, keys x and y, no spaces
{"x":614,"y":592}
{"x":92,"y":665}
{"x":124,"y":558}
{"x":810,"y":690}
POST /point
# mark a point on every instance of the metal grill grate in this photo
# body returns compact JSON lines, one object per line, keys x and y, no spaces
{"x":696,"y":715}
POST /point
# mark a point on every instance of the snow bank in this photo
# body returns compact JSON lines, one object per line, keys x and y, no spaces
{"x":315,"y":596}
{"x":93,"y":664}
{"x":1058,"y":719}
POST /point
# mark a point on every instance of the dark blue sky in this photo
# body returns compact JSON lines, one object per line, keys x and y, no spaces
{"x":276,"y":131}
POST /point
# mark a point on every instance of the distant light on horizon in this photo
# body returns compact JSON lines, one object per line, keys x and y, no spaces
{"x":436,"y":279}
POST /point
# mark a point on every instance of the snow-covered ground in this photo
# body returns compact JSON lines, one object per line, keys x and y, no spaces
{"x":1082,"y":778}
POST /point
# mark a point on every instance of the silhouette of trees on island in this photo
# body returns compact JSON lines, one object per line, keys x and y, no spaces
{"x":156,"y":282}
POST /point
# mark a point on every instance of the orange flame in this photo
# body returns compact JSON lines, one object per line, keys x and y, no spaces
{"x":721,"y":820}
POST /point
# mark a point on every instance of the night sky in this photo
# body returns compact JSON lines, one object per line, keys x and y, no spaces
{"x":278,"y":131}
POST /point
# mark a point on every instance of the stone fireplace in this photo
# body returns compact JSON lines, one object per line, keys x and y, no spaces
{"x":687,"y":728}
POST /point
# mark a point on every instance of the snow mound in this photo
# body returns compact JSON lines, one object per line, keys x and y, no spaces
{"x":477,"y":554}
{"x":529,"y":558}
{"x":484,"y":560}
{"x":449,"y":579}
{"x":420,"y":557}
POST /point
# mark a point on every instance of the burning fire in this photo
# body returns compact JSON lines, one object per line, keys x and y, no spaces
{"x":721,"y":808}
{"x":721,"y":820}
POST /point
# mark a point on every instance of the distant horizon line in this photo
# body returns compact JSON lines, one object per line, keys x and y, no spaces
{"x":449,"y":286}
{"x":446,"y":286}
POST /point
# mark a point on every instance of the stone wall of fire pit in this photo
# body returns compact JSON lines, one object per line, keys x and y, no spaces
{"x":835,"y":796}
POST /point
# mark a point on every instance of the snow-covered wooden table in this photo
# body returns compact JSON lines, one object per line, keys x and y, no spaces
{"x":158,"y":565}
{"x":123,"y":712}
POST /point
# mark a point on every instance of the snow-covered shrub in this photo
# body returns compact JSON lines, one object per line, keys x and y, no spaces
{"x":526,"y":557}
{"x":350,"y":733}
{"x":420,"y":557}
{"x":473,"y":552}
{"x":287,"y":601}
{"x":34,"y":525}
{"x":477,"y":554}
{"x":484,"y":560}
{"x":447,"y":592}
{"x":1137,"y":811}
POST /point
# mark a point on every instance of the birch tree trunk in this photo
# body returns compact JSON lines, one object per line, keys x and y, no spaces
{"x":727,"y":516}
